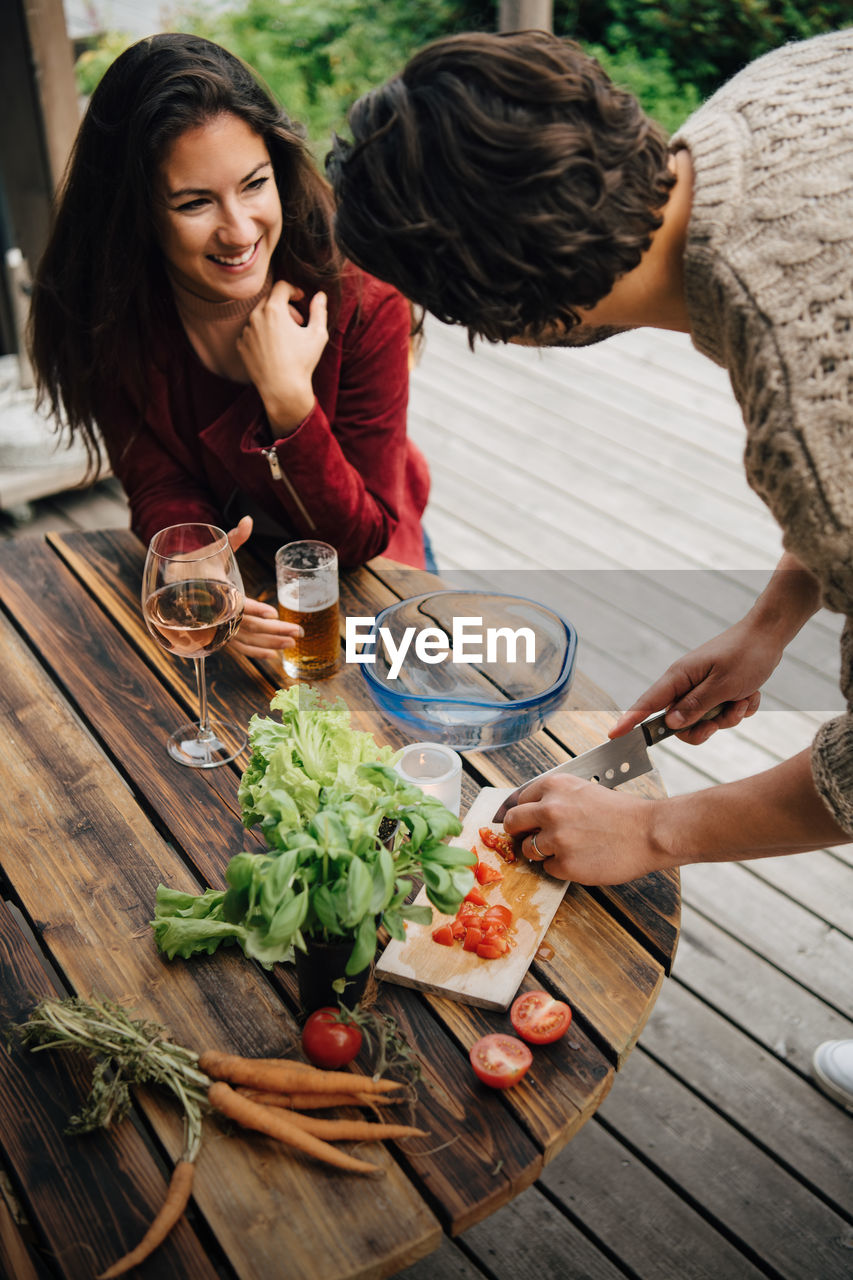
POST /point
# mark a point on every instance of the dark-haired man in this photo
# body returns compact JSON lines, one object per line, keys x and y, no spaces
{"x":505,"y":184}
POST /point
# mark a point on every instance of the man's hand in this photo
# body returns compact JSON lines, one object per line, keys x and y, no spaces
{"x":585,"y":832}
{"x":728,"y":669}
{"x":733,"y":666}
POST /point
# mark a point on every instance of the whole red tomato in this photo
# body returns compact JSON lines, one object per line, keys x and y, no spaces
{"x":329,"y":1042}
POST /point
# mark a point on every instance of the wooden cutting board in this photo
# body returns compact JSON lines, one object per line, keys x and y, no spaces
{"x":531,"y":895}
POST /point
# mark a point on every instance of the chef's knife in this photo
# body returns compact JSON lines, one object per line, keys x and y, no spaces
{"x":613,"y":762}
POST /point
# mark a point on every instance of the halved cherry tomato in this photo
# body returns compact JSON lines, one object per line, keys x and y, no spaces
{"x":539,"y":1018}
{"x":499,"y":912}
{"x":327,"y":1041}
{"x":476,"y":897}
{"x":486,"y":874}
{"x":473,"y":938}
{"x":499,"y":1060}
{"x":443,"y":935}
{"x":499,"y":841}
{"x":492,"y":948}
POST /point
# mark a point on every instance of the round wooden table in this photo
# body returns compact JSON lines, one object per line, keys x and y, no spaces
{"x":100,"y":816}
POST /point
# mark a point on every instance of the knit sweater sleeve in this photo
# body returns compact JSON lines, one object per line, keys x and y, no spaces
{"x":769,"y":279}
{"x":799,"y":458}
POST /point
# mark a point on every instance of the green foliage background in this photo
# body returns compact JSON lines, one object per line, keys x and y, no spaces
{"x":318,"y":56}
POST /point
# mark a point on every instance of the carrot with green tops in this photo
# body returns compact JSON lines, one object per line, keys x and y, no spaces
{"x":275,"y":1124}
{"x":177,"y":1199}
{"x":248,"y":1071}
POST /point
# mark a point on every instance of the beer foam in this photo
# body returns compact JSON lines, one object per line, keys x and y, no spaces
{"x":307,"y":597}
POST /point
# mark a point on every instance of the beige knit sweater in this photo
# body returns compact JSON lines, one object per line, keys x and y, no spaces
{"x":769,"y":278}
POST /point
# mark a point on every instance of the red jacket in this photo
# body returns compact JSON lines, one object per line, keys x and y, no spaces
{"x":347,"y":475}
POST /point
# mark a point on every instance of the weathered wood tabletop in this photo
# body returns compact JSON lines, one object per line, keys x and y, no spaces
{"x":95,"y":815}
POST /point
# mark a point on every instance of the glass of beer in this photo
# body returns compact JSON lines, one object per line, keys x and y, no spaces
{"x":307,"y":583}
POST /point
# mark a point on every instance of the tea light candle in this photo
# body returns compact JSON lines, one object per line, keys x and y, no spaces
{"x":436,"y":769}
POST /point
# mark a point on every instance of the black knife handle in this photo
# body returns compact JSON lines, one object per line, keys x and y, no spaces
{"x":656,"y":729}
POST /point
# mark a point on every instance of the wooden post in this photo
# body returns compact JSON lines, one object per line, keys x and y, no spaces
{"x":37,"y":127}
{"x":525,"y":15}
{"x":56,"y":91}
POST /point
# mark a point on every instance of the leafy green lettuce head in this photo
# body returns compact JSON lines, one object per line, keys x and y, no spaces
{"x":313,"y":747}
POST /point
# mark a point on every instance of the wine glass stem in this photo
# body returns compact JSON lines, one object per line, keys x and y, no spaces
{"x":204,"y":730}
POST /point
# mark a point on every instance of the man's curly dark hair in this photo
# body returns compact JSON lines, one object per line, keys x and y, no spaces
{"x":500,"y":181}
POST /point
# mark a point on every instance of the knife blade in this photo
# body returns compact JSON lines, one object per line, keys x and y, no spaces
{"x":611,"y":763}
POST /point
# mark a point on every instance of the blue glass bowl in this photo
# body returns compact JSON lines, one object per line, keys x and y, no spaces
{"x":528,"y":660}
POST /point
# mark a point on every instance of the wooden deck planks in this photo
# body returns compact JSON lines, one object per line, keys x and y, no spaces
{"x":754,"y":1199}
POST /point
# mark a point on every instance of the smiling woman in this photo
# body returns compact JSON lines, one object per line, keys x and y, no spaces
{"x":192,"y":313}
{"x":219,"y":224}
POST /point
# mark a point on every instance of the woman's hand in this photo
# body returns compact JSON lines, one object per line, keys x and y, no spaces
{"x":280,"y":354}
{"x":585,"y":832}
{"x":261,"y":633}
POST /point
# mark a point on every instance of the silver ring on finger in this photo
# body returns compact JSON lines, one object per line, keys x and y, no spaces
{"x":540,"y":856}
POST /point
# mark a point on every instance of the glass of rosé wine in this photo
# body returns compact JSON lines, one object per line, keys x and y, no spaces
{"x":192,"y":602}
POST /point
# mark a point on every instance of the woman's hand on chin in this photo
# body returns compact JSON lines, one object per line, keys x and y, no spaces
{"x":280,"y":354}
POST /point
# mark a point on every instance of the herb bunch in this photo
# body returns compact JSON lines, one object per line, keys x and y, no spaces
{"x":127,"y":1051}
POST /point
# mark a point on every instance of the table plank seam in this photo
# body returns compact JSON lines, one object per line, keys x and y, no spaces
{"x":631,"y":927}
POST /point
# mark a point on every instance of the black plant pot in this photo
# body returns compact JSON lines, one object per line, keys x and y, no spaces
{"x":321,"y":965}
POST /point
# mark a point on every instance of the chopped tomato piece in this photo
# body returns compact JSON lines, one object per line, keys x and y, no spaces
{"x":492,"y":948}
{"x":486,"y":874}
{"x":500,"y":1061}
{"x":493,"y":928}
{"x":499,"y":912}
{"x":476,"y":897}
{"x":500,"y":842}
{"x":468,"y":915}
{"x":458,"y":930}
{"x":443,"y":935}
{"x":473,"y":938}
{"x":539,"y":1018}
